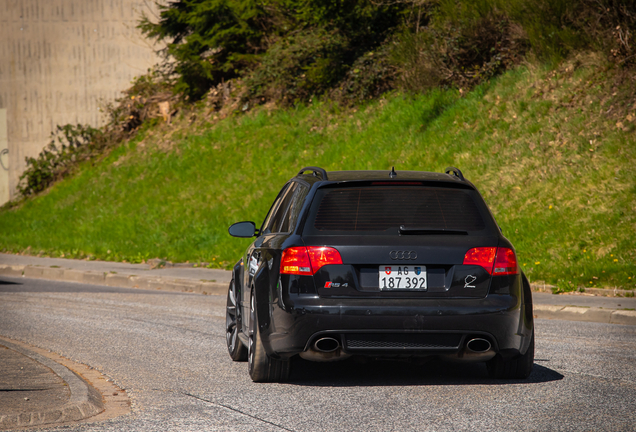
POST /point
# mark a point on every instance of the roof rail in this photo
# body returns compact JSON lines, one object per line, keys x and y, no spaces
{"x":315,"y":171}
{"x":456,"y":172}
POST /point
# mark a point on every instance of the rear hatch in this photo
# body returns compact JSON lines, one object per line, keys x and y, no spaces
{"x":401,"y":239}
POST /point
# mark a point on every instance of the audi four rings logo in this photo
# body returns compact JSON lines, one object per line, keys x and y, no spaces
{"x":403,"y":255}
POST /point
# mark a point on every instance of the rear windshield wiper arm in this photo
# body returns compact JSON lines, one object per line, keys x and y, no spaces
{"x":430,"y":231}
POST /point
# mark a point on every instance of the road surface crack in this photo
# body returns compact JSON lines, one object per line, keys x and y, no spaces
{"x":236,"y":410}
{"x":606,"y":378}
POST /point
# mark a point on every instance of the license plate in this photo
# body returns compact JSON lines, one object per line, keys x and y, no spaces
{"x":403,"y":278}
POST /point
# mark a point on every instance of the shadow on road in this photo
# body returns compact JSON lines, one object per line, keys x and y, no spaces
{"x":46,"y":286}
{"x":351,"y":373}
{"x":6,"y":282}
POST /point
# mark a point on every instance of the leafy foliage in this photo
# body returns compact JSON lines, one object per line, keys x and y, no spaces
{"x":465,"y":42}
{"x":292,"y":48}
{"x":69,"y":144}
{"x":463,"y":49}
{"x":211,"y":40}
{"x":371,"y":75}
{"x":298,"y":66}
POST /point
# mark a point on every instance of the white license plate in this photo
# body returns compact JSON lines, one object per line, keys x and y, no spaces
{"x":402,"y":277}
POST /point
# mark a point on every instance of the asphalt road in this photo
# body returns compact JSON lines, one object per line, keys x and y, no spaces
{"x":168,"y":351}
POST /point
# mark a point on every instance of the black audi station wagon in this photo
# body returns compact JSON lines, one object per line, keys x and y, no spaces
{"x":383,"y":264}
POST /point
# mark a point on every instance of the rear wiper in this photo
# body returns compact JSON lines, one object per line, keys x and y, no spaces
{"x":430,"y":231}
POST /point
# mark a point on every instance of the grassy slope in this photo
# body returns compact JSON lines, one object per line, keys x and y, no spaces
{"x":553,"y":165}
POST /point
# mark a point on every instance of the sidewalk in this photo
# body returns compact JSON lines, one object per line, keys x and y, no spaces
{"x":573,"y":307}
{"x":35,"y":390}
{"x":115,"y":274}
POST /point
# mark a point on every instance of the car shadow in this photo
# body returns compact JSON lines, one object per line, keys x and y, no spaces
{"x":353,"y":372}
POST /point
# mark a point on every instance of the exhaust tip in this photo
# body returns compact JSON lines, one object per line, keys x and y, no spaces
{"x":327,"y":344}
{"x":478,"y":345}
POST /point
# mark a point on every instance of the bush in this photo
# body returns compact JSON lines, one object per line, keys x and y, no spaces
{"x":611,"y":25}
{"x":459,"y":54}
{"x":463,"y":42}
{"x":298,"y":66}
{"x":69,"y":145}
{"x":456,"y":43}
{"x":370,"y":75}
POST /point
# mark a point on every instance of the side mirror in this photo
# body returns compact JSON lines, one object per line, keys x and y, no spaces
{"x":243,"y":229}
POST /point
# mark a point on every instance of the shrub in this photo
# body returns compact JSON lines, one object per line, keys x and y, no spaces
{"x":456,"y":43}
{"x":69,"y":145}
{"x":370,"y":75}
{"x":298,"y":66}
{"x":463,"y":42}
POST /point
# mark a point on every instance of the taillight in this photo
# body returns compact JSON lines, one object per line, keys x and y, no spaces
{"x":505,"y":263}
{"x":321,"y":256}
{"x":481,"y":256}
{"x":308,"y":260}
{"x":496,"y":261}
{"x":295,"y":261}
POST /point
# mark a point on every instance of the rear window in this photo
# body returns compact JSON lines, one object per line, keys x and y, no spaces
{"x":385,"y":208}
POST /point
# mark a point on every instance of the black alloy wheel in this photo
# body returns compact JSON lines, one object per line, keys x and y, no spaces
{"x":238,"y":351}
{"x":262,"y":368}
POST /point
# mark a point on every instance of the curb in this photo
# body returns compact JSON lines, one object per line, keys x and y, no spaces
{"x":591,"y":314}
{"x":115,"y":279}
{"x":605,"y":292}
{"x":84,"y":402}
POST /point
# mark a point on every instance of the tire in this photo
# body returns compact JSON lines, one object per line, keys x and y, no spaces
{"x":516,"y":368}
{"x":262,"y":368}
{"x":238,"y":351}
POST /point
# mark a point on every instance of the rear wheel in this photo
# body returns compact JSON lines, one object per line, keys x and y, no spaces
{"x":235,"y":347}
{"x":262,"y":368}
{"x":516,"y":368}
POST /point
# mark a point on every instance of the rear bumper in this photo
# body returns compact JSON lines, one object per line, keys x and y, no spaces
{"x":293,"y":328}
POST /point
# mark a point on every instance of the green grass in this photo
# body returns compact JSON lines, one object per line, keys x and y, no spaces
{"x":543,"y":147}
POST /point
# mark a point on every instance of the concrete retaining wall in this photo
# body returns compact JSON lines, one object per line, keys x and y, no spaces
{"x":59,"y":61}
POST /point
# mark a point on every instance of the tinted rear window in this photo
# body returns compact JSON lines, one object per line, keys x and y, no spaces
{"x":386,"y":208}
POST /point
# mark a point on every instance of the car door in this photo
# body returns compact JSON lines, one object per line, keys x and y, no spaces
{"x":253,"y":253}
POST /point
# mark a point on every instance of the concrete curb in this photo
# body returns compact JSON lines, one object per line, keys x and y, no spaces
{"x":84,"y":402}
{"x":605,"y":292}
{"x":115,"y":279}
{"x":591,"y":314}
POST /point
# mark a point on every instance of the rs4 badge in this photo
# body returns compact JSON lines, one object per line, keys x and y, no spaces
{"x":335,"y":285}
